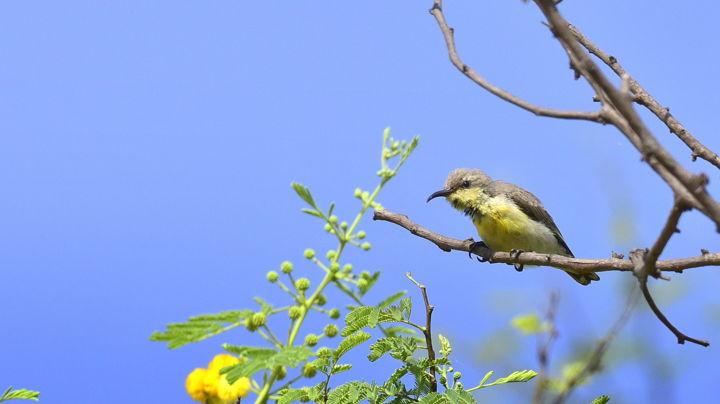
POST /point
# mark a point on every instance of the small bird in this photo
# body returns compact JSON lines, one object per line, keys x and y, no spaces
{"x":507,"y":217}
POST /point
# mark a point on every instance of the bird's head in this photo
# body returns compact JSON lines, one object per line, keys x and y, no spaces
{"x":463,"y":188}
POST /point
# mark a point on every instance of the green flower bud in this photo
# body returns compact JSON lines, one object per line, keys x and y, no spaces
{"x":333,"y":219}
{"x":302,"y":284}
{"x":365,"y":246}
{"x":334,"y":314}
{"x":459,"y":386}
{"x":443,"y":380}
{"x":280,"y":372}
{"x":324,"y":352}
{"x":347,"y":268}
{"x":362,"y":283}
{"x":258,"y":320}
{"x":361,"y":234}
{"x":365,"y":275}
{"x":321,"y":300}
{"x":294,"y":312}
{"x":309,"y":253}
{"x":308,"y":370}
{"x":365,"y":195}
{"x":331,"y":330}
{"x":272,"y":276}
{"x":395,"y":145}
{"x":311,"y":340}
{"x":457,"y":376}
{"x":358,"y":192}
{"x":286,"y":267}
{"x":334,"y":267}
{"x":450,"y":369}
{"x":331,"y":254}
{"x":344,"y":225}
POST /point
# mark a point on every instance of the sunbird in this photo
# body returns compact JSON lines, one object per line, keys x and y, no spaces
{"x":507,"y":217}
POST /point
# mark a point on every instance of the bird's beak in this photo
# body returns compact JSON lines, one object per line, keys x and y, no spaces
{"x":444,"y":192}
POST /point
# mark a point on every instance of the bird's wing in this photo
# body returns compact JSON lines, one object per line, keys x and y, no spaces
{"x":528,"y":204}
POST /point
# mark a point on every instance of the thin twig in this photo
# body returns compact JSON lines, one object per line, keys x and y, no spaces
{"x":642,"y":97}
{"x":593,"y":364}
{"x":668,"y":230}
{"x":544,"y":347}
{"x":577,"y":265}
{"x":637,"y":256}
{"x":448,"y":34}
{"x":427,"y":332}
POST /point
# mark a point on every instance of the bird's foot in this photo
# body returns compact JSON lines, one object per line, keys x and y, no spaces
{"x":483,"y":252}
{"x":515,"y":254}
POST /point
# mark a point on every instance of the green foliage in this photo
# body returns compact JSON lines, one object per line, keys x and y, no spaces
{"x":530,"y":324}
{"x":201,"y":327}
{"x":514,"y":377}
{"x":601,"y":400}
{"x":414,"y":378}
{"x":21,"y":394}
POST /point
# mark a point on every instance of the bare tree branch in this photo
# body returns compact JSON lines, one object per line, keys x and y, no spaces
{"x":642,"y":97}
{"x":448,"y":34}
{"x":618,"y":110}
{"x":427,"y":331}
{"x":637,"y":257}
{"x":577,"y":265}
{"x":593,"y":364}
{"x":543,"y":350}
{"x":668,"y":230}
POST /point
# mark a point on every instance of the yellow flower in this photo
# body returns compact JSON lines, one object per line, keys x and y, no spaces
{"x":195,"y":385}
{"x":230,"y":393}
{"x":222,"y":360}
{"x":210,"y":382}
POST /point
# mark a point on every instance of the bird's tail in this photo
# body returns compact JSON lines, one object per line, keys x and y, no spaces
{"x":584,"y":279}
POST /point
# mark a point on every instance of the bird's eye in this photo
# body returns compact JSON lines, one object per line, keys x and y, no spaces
{"x":466,"y":184}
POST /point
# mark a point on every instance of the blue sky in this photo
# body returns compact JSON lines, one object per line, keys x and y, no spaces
{"x":147,"y":148}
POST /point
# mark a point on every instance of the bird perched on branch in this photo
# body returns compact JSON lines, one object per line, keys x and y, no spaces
{"x":507,"y":217}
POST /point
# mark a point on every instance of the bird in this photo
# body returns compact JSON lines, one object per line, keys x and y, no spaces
{"x":506,"y":216}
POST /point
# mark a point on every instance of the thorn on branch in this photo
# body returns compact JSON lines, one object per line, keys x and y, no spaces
{"x":704,"y":251}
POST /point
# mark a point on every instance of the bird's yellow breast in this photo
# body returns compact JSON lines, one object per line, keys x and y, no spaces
{"x":503,"y":227}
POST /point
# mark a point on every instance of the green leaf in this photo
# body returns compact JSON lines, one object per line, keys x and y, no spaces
{"x":433,"y":398}
{"x":486,"y":377}
{"x":263,"y":358}
{"x":360,"y":317}
{"x":265,"y":307}
{"x":340,"y":368}
{"x":530,"y":324}
{"x":349,"y":343}
{"x":370,"y":282}
{"x":349,"y":393}
{"x":251,"y":352}
{"x":406,"y":308}
{"x":380,"y":348}
{"x":313,"y":212}
{"x":20,"y":394}
{"x":601,"y":400}
{"x":395,"y":330}
{"x":390,"y":300}
{"x":292,"y":396}
{"x":291,"y":357}
{"x":445,"y":347}
{"x":459,"y":397}
{"x":200,"y":327}
{"x":304,"y":193}
{"x":330,"y":211}
{"x":514,"y":377}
